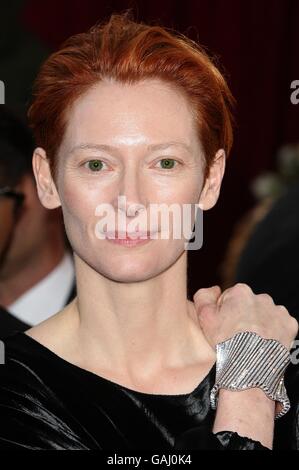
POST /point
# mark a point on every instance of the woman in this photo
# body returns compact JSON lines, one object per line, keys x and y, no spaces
{"x":128,"y":116}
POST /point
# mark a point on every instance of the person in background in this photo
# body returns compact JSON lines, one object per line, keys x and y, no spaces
{"x":269,"y":261}
{"x":36,"y":268}
{"x":10,"y":201}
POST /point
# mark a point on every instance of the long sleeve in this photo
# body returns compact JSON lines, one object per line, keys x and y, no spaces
{"x":201,"y":438}
{"x":286,"y":429}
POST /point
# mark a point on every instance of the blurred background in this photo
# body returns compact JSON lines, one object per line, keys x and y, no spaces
{"x":257,"y":44}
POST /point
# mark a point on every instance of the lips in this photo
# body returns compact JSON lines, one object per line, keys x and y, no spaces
{"x":127,"y":235}
{"x":128,"y":240}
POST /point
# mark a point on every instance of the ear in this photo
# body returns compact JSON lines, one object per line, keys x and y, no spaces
{"x":45,"y":185}
{"x":211,"y":189}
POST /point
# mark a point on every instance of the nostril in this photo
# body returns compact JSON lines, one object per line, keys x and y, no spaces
{"x":134,"y":209}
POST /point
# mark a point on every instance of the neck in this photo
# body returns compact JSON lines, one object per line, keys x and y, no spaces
{"x":133,"y":326}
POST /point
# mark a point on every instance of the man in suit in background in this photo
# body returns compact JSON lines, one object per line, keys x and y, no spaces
{"x":36,"y":267}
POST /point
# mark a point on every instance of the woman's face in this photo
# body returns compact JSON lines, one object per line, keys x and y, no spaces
{"x":137,"y":141}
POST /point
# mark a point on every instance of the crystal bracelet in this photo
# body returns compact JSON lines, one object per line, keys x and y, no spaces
{"x":246,"y":361}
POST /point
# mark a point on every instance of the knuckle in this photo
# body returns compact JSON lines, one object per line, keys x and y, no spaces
{"x":294,"y":325}
{"x":242,"y":288}
{"x":264,"y":296}
{"x":289,"y":322}
{"x":282,"y":309}
{"x":201,"y":291}
{"x":198,"y":294}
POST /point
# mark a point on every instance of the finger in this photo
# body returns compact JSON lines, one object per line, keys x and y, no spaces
{"x":239,"y":290}
{"x":206,"y":296}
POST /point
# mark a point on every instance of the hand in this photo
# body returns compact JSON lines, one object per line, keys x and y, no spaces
{"x":221,"y":315}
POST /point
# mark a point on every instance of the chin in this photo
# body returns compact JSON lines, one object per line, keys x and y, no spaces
{"x":137,"y":268}
{"x":132,"y":271}
{"x":130,"y":266}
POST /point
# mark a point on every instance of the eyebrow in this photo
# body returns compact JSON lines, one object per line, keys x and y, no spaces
{"x":109,"y":148}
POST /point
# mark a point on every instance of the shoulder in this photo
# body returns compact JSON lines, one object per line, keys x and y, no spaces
{"x":32,"y":416}
{"x":22,"y":380}
{"x":56,"y":332}
{"x":17,"y":354}
{"x":10,"y":324}
{"x":24,"y":361}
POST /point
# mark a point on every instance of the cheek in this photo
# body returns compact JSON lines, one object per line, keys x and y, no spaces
{"x":78,"y":208}
{"x":178,"y":190}
{"x":183,"y":197}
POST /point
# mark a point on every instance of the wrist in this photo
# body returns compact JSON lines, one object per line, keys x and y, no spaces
{"x":253,"y":398}
{"x":249,"y":412}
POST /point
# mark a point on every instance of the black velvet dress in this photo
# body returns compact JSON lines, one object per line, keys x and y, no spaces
{"x":48,"y":403}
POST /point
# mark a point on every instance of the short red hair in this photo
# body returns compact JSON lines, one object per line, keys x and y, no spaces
{"x":128,"y":52}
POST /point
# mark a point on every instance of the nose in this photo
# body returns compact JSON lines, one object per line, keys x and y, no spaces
{"x":131,"y":209}
{"x":130,"y":198}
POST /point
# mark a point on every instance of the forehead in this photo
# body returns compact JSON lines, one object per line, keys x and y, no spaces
{"x":150,"y":111}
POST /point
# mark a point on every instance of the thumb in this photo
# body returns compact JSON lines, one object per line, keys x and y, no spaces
{"x":206,"y":296}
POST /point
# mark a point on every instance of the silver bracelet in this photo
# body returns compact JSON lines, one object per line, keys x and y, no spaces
{"x":246,"y":361}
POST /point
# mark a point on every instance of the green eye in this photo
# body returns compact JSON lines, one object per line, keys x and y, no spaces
{"x":95,"y":165}
{"x":167,"y":163}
